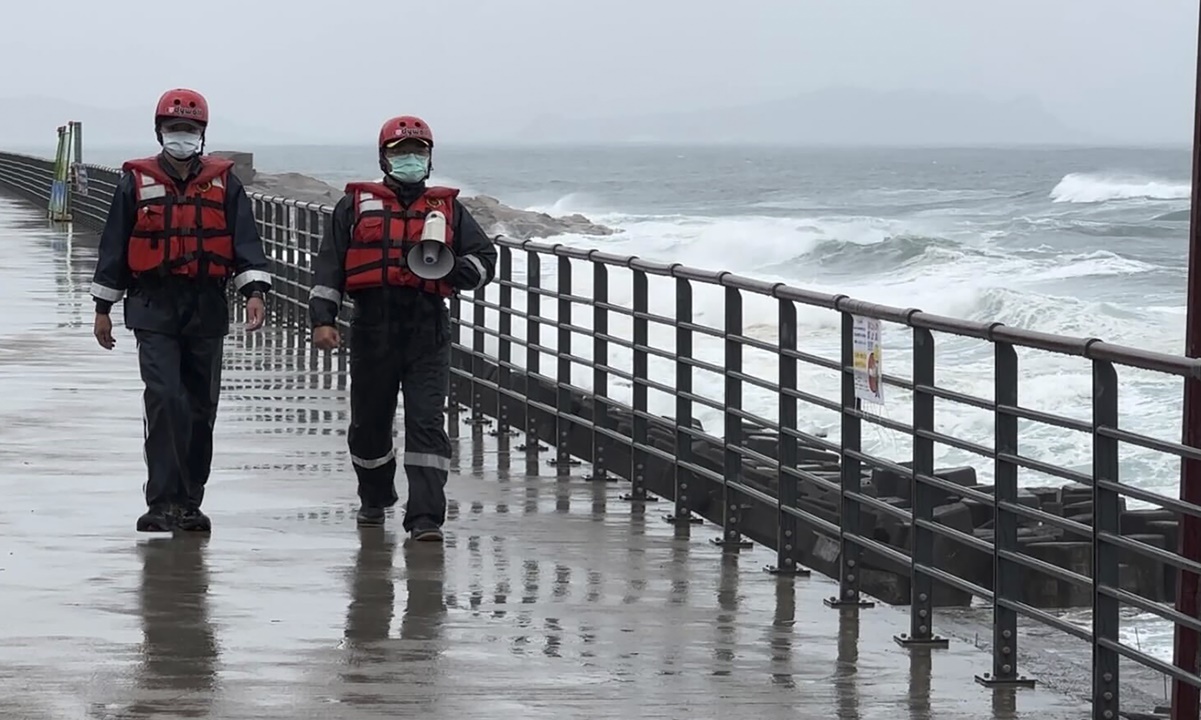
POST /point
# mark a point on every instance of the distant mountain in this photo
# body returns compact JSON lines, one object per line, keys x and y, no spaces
{"x":31,"y":120}
{"x":836,"y":116}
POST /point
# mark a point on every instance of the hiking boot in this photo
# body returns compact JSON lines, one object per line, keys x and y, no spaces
{"x":370,"y":516}
{"x":159,"y":518}
{"x":193,"y":520}
{"x":426,"y":531}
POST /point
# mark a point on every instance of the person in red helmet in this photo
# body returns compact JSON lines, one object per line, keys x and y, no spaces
{"x":401,"y":337}
{"x":179,"y":229}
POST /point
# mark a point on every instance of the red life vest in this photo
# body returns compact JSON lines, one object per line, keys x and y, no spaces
{"x":384,"y":231}
{"x":180,"y":233}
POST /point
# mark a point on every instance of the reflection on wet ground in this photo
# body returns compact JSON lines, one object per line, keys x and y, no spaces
{"x":551,"y":598}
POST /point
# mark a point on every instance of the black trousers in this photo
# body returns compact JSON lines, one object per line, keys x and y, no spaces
{"x":413,"y":357}
{"x":182,"y":376}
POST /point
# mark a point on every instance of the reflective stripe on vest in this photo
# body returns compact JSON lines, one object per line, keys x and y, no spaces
{"x":152,"y":189}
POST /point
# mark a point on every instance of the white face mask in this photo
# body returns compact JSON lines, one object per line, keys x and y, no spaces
{"x":181,"y":145}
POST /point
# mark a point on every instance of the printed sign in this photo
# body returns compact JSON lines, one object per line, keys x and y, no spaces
{"x":868,"y":365}
{"x":80,"y":176}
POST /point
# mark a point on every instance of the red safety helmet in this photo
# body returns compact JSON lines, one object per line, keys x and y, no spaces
{"x":182,"y":104}
{"x":405,"y":127}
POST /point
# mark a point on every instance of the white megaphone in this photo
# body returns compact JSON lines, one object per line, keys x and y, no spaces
{"x":431,"y":258}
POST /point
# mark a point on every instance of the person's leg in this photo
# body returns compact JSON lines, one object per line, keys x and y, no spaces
{"x":374,"y":383}
{"x":165,"y":425}
{"x":201,"y":378}
{"x":425,"y":382}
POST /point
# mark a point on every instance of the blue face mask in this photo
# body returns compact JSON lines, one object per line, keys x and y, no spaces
{"x":409,"y":168}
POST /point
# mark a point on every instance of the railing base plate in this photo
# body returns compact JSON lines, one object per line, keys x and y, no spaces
{"x":601,"y":477}
{"x":844,"y":604}
{"x":934,"y":641}
{"x":732,"y":544}
{"x":688,"y":520}
{"x":989,"y":681}
{"x":631,"y":497}
{"x":797,"y":571}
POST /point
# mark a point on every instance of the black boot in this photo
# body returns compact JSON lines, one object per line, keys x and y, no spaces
{"x":426,"y":530}
{"x":159,"y":518}
{"x":191,"y":519}
{"x":370,"y":516}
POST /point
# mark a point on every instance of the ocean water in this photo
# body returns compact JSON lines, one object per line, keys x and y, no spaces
{"x":1085,"y":242}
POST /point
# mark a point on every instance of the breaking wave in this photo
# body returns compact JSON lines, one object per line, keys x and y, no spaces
{"x":1099,"y":188}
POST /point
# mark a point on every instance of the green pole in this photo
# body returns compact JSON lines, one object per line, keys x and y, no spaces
{"x":58,"y":199}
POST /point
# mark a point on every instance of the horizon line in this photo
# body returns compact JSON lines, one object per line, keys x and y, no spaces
{"x":232,"y":146}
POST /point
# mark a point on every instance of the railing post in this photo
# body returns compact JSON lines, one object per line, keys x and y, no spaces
{"x":455,"y":310}
{"x":681,"y":515}
{"x":850,"y":479}
{"x":343,"y":357}
{"x":1186,"y":646}
{"x":479,"y":319}
{"x":309,"y":243}
{"x":563,"y":397}
{"x":601,"y":420}
{"x":280,"y":235}
{"x":921,"y":593}
{"x":271,"y":240}
{"x":639,"y":425}
{"x":1106,"y":522}
{"x":533,"y":360}
{"x":786,"y":480}
{"x":292,"y":268}
{"x":504,"y":346}
{"x":1007,"y":581}
{"x":731,"y":537}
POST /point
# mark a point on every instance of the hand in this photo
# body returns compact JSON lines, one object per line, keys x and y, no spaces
{"x":326,"y":337}
{"x":102,"y":328}
{"x":256,"y":314}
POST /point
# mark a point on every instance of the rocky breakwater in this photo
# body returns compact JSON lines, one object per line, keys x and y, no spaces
{"x":963,"y":505}
{"x":495,"y":217}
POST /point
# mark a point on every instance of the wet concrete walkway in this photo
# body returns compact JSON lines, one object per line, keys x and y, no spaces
{"x":550,"y":599}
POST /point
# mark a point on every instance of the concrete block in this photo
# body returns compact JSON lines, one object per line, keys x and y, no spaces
{"x":955,"y":556}
{"x":243,"y":164}
{"x":1042,"y":590}
{"x":1144,"y":575}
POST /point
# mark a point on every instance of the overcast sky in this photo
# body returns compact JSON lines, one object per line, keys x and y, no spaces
{"x":478,"y":68}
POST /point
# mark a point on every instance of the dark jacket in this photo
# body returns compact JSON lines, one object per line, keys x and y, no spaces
{"x":474,"y":269}
{"x":175,"y":304}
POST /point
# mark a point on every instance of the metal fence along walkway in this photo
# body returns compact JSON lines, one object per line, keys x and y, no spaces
{"x":749,"y":404}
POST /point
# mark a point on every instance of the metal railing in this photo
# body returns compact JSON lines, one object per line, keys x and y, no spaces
{"x":632,"y":377}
